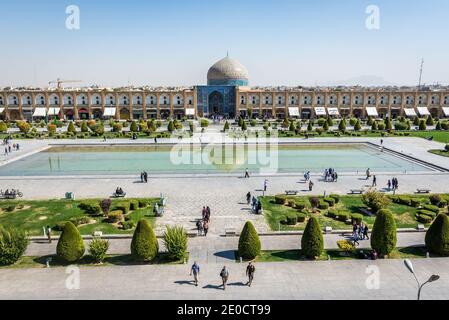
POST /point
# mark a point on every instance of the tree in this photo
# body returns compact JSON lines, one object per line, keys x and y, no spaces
{"x":71,"y":128}
{"x":249,"y":242}
{"x":241,"y":121}
{"x":24,"y":126}
{"x":175,"y":241}
{"x":144,"y":245}
{"x":226,"y":126}
{"x":13,"y":243}
{"x":438,"y":126}
{"x":437,"y":237}
{"x":171,"y":126}
{"x":84,"y":127}
{"x":384,"y":237}
{"x":330,"y":122}
{"x":375,"y":200}
{"x":105,"y":206}
{"x":357,"y":126}
{"x":70,"y":246}
{"x":388,"y":124}
{"x":422,"y":125}
{"x":430,"y":121}
{"x":312,"y":244}
{"x":374,"y":126}
{"x":292,"y":127}
{"x":342,"y":125}
{"x":309,"y":126}
{"x":244,"y":126}
{"x":133,"y":127}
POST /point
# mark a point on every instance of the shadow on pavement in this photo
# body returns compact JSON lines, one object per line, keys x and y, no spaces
{"x":211,"y":286}
{"x":182,"y":282}
{"x":228,"y":254}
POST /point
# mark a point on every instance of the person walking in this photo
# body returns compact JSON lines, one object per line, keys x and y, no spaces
{"x":246,"y":173}
{"x":355,"y":238}
{"x":141,"y":177}
{"x":145,"y":176}
{"x":250,"y":270}
{"x":368,"y":174}
{"x":374,"y":181}
{"x":224,"y":274}
{"x":310,"y":186}
{"x":195,"y":270}
{"x":265,"y":185}
{"x":248,"y":198}
{"x":205,"y":228}
{"x":199,"y":227}
{"x":204,"y":213}
{"x":389,"y":185}
{"x":365,"y":232}
{"x":49,"y":234}
{"x":208,"y":214}
{"x":6,"y":151}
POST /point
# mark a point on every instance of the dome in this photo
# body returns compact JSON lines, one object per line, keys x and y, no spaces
{"x":227,"y":72}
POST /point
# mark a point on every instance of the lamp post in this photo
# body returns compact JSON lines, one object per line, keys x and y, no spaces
{"x":432,"y":278}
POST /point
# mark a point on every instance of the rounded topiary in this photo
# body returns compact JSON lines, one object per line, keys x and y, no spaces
{"x":13,"y":243}
{"x":70,"y":246}
{"x":437,"y":237}
{"x":330,"y":201}
{"x":249,"y":242}
{"x":312,"y":244}
{"x":301,"y":217}
{"x":144,"y":245}
{"x":384,"y":237}
{"x":292,"y":219}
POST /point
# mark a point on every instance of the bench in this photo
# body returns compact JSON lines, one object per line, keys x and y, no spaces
{"x":230,"y":232}
{"x":356,"y":191}
{"x":291,"y":192}
{"x":122,"y":195}
{"x":421,"y":191}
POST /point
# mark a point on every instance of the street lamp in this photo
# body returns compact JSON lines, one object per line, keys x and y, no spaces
{"x":432,"y":278}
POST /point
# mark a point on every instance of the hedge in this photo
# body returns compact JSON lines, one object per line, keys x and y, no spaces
{"x":312,"y":244}
{"x":143,"y":203}
{"x":280,"y":199}
{"x":70,"y":246}
{"x":336,"y":197}
{"x":323,"y":206}
{"x":144,"y":245}
{"x":343,"y":216}
{"x":133,"y":204}
{"x":416,"y":203}
{"x":427,"y":213}
{"x":282,"y":219}
{"x":432,"y":208}
{"x":422,"y":218}
{"x":90,"y":208}
{"x":356,"y":217}
{"x":249,"y":242}
{"x":300,"y":205}
{"x":437,"y":237}
{"x":301,"y":217}
{"x":332,"y":213}
{"x":384,"y":237}
{"x":123,"y":206}
{"x":330,"y":201}
{"x":292,"y":219}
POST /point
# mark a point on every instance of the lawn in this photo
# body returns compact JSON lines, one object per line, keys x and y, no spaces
{"x":442,"y":153}
{"x":33,"y":216}
{"x":405,"y":215}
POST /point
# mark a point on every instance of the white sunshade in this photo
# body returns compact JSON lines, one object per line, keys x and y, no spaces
{"x":2,"y":109}
{"x":39,"y":112}
{"x":446,"y":111}
{"x":320,"y":111}
{"x":109,"y":112}
{"x":423,"y":111}
{"x":372,"y":111}
{"x":333,"y":111}
{"x":190,"y":111}
{"x":293,"y":111}
{"x":53,"y":111}
{"x":409,"y":112}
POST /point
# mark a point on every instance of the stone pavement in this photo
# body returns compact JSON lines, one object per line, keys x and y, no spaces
{"x":339,"y":280}
{"x":216,"y":249}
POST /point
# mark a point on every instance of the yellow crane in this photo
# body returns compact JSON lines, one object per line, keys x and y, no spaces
{"x":59,"y":82}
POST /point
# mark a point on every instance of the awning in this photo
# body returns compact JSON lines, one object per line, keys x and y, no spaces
{"x":190,"y":111}
{"x":109,"y":112}
{"x":293,"y":111}
{"x":333,"y":111}
{"x":423,"y":111}
{"x":320,"y":111}
{"x":410,"y":112}
{"x":40,"y":112}
{"x":372,"y":111}
{"x":2,"y":109}
{"x":53,"y":111}
{"x":446,"y":111}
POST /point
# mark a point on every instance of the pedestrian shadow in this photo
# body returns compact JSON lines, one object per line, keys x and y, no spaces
{"x":212,"y":286}
{"x":183,"y":282}
{"x":41,"y":242}
{"x":139,"y":182}
{"x":259,"y":190}
{"x":243,"y":203}
{"x":245,"y":209}
{"x":227,"y":254}
{"x":237,"y":284}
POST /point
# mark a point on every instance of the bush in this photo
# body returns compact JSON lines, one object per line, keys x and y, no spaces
{"x":384,"y":237}
{"x":300,"y":205}
{"x":282,"y":219}
{"x":343,"y":216}
{"x":375,"y":200}
{"x":204,"y":123}
{"x":143,"y":203}
{"x":226,"y":126}
{"x":84,"y":127}
{"x":3,"y":127}
{"x":357,"y":126}
{"x":280,"y":199}
{"x":330,"y":201}
{"x":90,"y":208}
{"x":117,"y":127}
{"x":400,"y":126}
{"x":357,"y":218}
{"x":405,"y":200}
{"x":332,"y":213}
{"x":71,"y":128}
{"x":422,"y":125}
{"x":105,"y":206}
{"x":336,"y":197}
{"x":128,"y":225}
{"x":133,"y":205}
{"x":23,"y":126}
{"x":345,"y":245}
{"x":144,"y":245}
{"x":437,"y":237}
{"x":416,"y":203}
{"x":423,"y":218}
{"x":98,"y":249}
{"x":13,"y":243}
{"x":312,"y":244}
{"x":123,"y":206}
{"x":431,"y":208}
{"x":175,"y":241}
{"x":301,"y":217}
{"x":115,"y":216}
{"x":249,"y":242}
{"x":291,"y":203}
{"x":314,"y":202}
{"x":70,"y":246}
{"x":427,"y":213}
{"x":292,"y":219}
{"x":435,"y":199}
{"x":323,"y":206}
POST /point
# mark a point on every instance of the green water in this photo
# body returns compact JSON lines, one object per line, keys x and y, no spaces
{"x":131,"y":160}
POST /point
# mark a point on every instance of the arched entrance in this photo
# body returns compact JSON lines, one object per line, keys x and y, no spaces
{"x":216,"y":103}
{"x":124,"y":114}
{"x":83,"y":114}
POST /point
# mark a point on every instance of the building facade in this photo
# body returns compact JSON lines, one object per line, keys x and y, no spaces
{"x":226,"y":94}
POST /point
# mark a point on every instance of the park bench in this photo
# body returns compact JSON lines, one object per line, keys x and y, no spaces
{"x":356,"y":191}
{"x":291,"y":192}
{"x":230,"y":232}
{"x":121,"y":195}
{"x":421,"y":191}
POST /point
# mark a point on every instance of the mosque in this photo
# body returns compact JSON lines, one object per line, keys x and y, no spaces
{"x":226,"y":94}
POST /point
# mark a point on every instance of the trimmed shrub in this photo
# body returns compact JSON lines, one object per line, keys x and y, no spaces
{"x":300,"y":205}
{"x":143,"y":203}
{"x":301,"y":217}
{"x":405,"y":200}
{"x":90,"y":208}
{"x":291,"y":203}
{"x":70,"y":246}
{"x":105,"y":206}
{"x":422,"y":125}
{"x":330,"y":201}
{"x":356,"y":217}
{"x":133,"y":127}
{"x":175,"y":241}
{"x":249,"y":242}
{"x":84,"y":127}
{"x":71,"y":128}
{"x":123,"y":206}
{"x":332,"y":213}
{"x":23,"y":126}
{"x":384,"y":237}
{"x":423,"y":218}
{"x":280,"y":199}
{"x":98,"y":249}
{"x":133,"y":205}
{"x":435,"y":199}
{"x":336,"y":197}
{"x":13,"y":243}
{"x":437,"y":237}
{"x":431,"y":208}
{"x":117,"y":127}
{"x":115,"y":216}
{"x":343,"y":216}
{"x":416,"y":203}
{"x":345,"y":245}
{"x":312,"y":244}
{"x":292,"y":219}
{"x":128,"y":225}
{"x":226,"y":126}
{"x":323,"y":206}
{"x":282,"y":219}
{"x":375,"y":200}
{"x":3,"y":127}
{"x":427,"y":213}
{"x":204,"y":123}
{"x":314,"y":202}
{"x":144,"y":245}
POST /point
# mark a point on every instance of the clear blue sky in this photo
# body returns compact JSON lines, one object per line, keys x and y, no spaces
{"x":173,"y":42}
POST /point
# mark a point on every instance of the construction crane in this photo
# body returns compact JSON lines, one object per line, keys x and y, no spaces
{"x":59,"y":82}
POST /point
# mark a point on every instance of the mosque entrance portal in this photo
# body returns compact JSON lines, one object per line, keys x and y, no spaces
{"x":216,"y":103}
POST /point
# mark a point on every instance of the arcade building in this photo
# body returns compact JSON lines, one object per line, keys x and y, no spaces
{"x":226,"y":94}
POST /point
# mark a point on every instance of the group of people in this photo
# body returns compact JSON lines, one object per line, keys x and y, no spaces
{"x":144,"y":177}
{"x":224,"y":274}
{"x":393,"y":184}
{"x":10,"y":148}
{"x":359,"y":232}
{"x":202,"y":224}
{"x":256,"y":205}
{"x":119,"y":191}
{"x":330,"y":175}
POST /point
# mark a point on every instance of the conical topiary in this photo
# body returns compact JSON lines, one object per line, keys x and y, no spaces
{"x":384,"y":237}
{"x":133,"y":127}
{"x":226,"y":126}
{"x":144,"y":246}
{"x":437,"y":237}
{"x":249,"y":242}
{"x":70,"y":246}
{"x":312,"y":244}
{"x":71,"y":127}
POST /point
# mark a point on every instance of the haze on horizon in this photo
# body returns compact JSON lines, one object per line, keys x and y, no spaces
{"x":174,"y":42}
